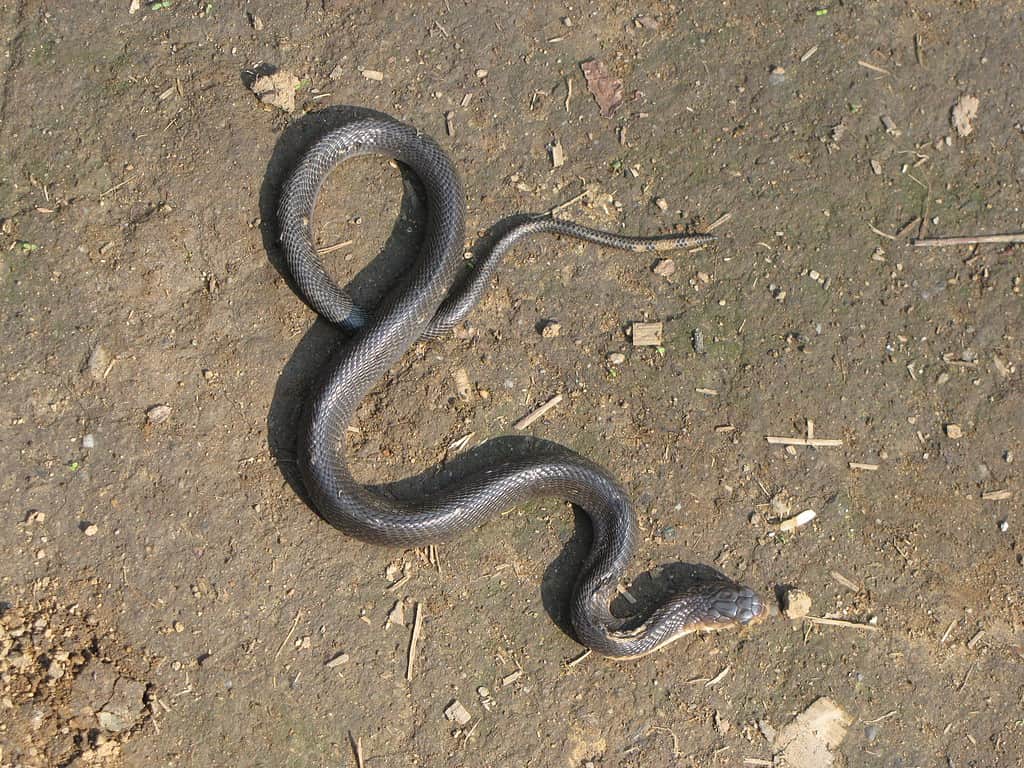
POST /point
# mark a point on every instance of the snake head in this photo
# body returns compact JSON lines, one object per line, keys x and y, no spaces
{"x":730,"y":604}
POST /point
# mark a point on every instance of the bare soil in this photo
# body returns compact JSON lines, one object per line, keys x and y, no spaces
{"x":168,"y":563}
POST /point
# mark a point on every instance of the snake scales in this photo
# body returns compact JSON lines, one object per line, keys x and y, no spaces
{"x":425,"y":306}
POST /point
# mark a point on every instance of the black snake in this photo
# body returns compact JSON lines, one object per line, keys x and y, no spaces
{"x":425,"y":307}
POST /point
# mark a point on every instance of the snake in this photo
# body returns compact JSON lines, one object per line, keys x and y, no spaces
{"x":424,"y":306}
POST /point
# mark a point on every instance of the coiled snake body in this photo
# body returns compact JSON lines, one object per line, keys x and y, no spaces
{"x":426,"y":307}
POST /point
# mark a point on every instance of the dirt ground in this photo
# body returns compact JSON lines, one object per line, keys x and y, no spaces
{"x":167,"y":596}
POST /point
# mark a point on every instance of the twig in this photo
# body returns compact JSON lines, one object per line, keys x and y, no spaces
{"x":413,"y":639}
{"x":925,"y":242}
{"x":908,"y":226}
{"x":879,"y":232}
{"x":850,"y":585}
{"x":573,"y":662}
{"x":718,"y":222}
{"x":116,"y":187}
{"x":865,"y":467}
{"x":945,"y":635}
{"x":873,"y":68}
{"x":295,"y":623}
{"x":815,"y":442}
{"x":332,"y":248}
{"x":527,"y":420}
{"x":717,"y":678}
{"x":841,"y":623}
{"x":567,"y":203}
{"x":568,"y":92}
{"x":357,"y":749}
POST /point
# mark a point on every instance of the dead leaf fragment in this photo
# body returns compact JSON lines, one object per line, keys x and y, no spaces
{"x":277,"y":90}
{"x":606,"y":90}
{"x":964,"y":111}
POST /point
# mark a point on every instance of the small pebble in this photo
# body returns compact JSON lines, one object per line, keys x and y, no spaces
{"x":91,"y":530}
{"x":661,"y":202}
{"x":665,"y":267}
{"x":1004,"y":526}
{"x":871,"y":732}
{"x":158,"y":414}
{"x":616,"y":358}
{"x":796,"y":604}
{"x":954,"y":432}
{"x":551,"y":329}
{"x":456,"y":712}
{"x":89,"y":441}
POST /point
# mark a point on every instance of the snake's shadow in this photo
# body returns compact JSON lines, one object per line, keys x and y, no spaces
{"x":382,"y":274}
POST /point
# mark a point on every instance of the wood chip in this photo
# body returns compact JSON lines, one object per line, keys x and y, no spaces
{"x":1001,"y":495}
{"x":511,"y":677}
{"x":539,"y":413}
{"x":862,"y":466}
{"x":973,"y":642}
{"x":557,"y":154}
{"x":372,"y":74}
{"x":647,"y":334}
{"x":449,"y":123}
{"x":337,"y":661}
{"x":798,"y":520}
{"x":954,"y":431}
{"x":808,"y":53}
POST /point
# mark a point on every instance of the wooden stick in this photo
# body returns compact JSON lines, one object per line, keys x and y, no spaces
{"x":567,"y":203}
{"x":1016,"y":237}
{"x":527,"y":420}
{"x":573,"y":662}
{"x":717,"y":222}
{"x":333,"y":248}
{"x":814,"y":442}
{"x":295,"y":623}
{"x":413,"y":639}
{"x":865,"y":467}
{"x":357,"y":749}
{"x":841,"y":623}
{"x":873,"y":68}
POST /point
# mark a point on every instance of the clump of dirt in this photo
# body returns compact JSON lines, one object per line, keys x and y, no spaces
{"x":63,"y":698}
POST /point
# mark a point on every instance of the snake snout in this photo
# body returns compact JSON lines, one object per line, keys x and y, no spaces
{"x":737,"y":604}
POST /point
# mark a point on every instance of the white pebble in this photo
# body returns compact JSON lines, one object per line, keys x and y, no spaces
{"x":89,"y":441}
{"x":1004,"y":526}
